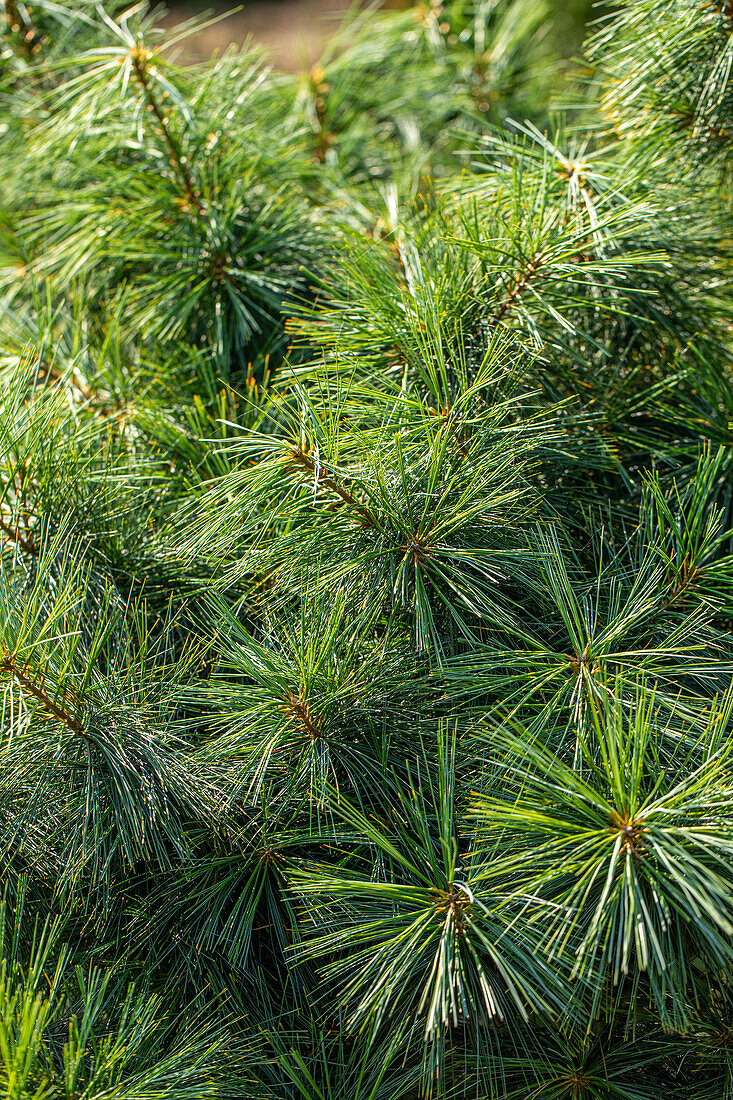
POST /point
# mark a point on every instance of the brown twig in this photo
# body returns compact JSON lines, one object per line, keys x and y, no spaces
{"x":454,"y":903}
{"x":177,"y":160}
{"x":319,"y":89}
{"x":300,"y":458}
{"x":632,"y":834}
{"x":297,"y":707}
{"x":54,"y":375}
{"x":25,"y":542}
{"x":523,"y":278}
{"x":686,"y":578}
{"x":586,"y":661}
{"x":8,"y":665}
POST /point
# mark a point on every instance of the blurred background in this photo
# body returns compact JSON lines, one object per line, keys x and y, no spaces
{"x":295,"y":31}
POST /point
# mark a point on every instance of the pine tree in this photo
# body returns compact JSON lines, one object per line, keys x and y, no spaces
{"x":366,"y":560}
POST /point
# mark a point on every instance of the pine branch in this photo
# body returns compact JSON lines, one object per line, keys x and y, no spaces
{"x":25,"y":542}
{"x":177,"y":159}
{"x":8,"y":664}
{"x":574,"y":172}
{"x":300,"y":458}
{"x":522,"y":280}
{"x":298,"y":709}
{"x":686,"y":580}
{"x":319,"y":88}
{"x":50,"y":372}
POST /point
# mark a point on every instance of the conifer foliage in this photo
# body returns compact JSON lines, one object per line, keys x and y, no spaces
{"x":366,"y":560}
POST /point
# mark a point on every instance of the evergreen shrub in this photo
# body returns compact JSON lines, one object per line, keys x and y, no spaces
{"x":366,"y":567}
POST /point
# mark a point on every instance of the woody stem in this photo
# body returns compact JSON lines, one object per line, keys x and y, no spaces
{"x":24,"y":542}
{"x":522,"y":280}
{"x":307,"y":462}
{"x":177,"y":159}
{"x":37,"y":693}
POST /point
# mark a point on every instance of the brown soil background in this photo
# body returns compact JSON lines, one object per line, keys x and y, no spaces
{"x":293,"y":31}
{"x":296,"y":31}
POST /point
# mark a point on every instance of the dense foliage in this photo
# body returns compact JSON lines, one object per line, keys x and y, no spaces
{"x":366,"y":570}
